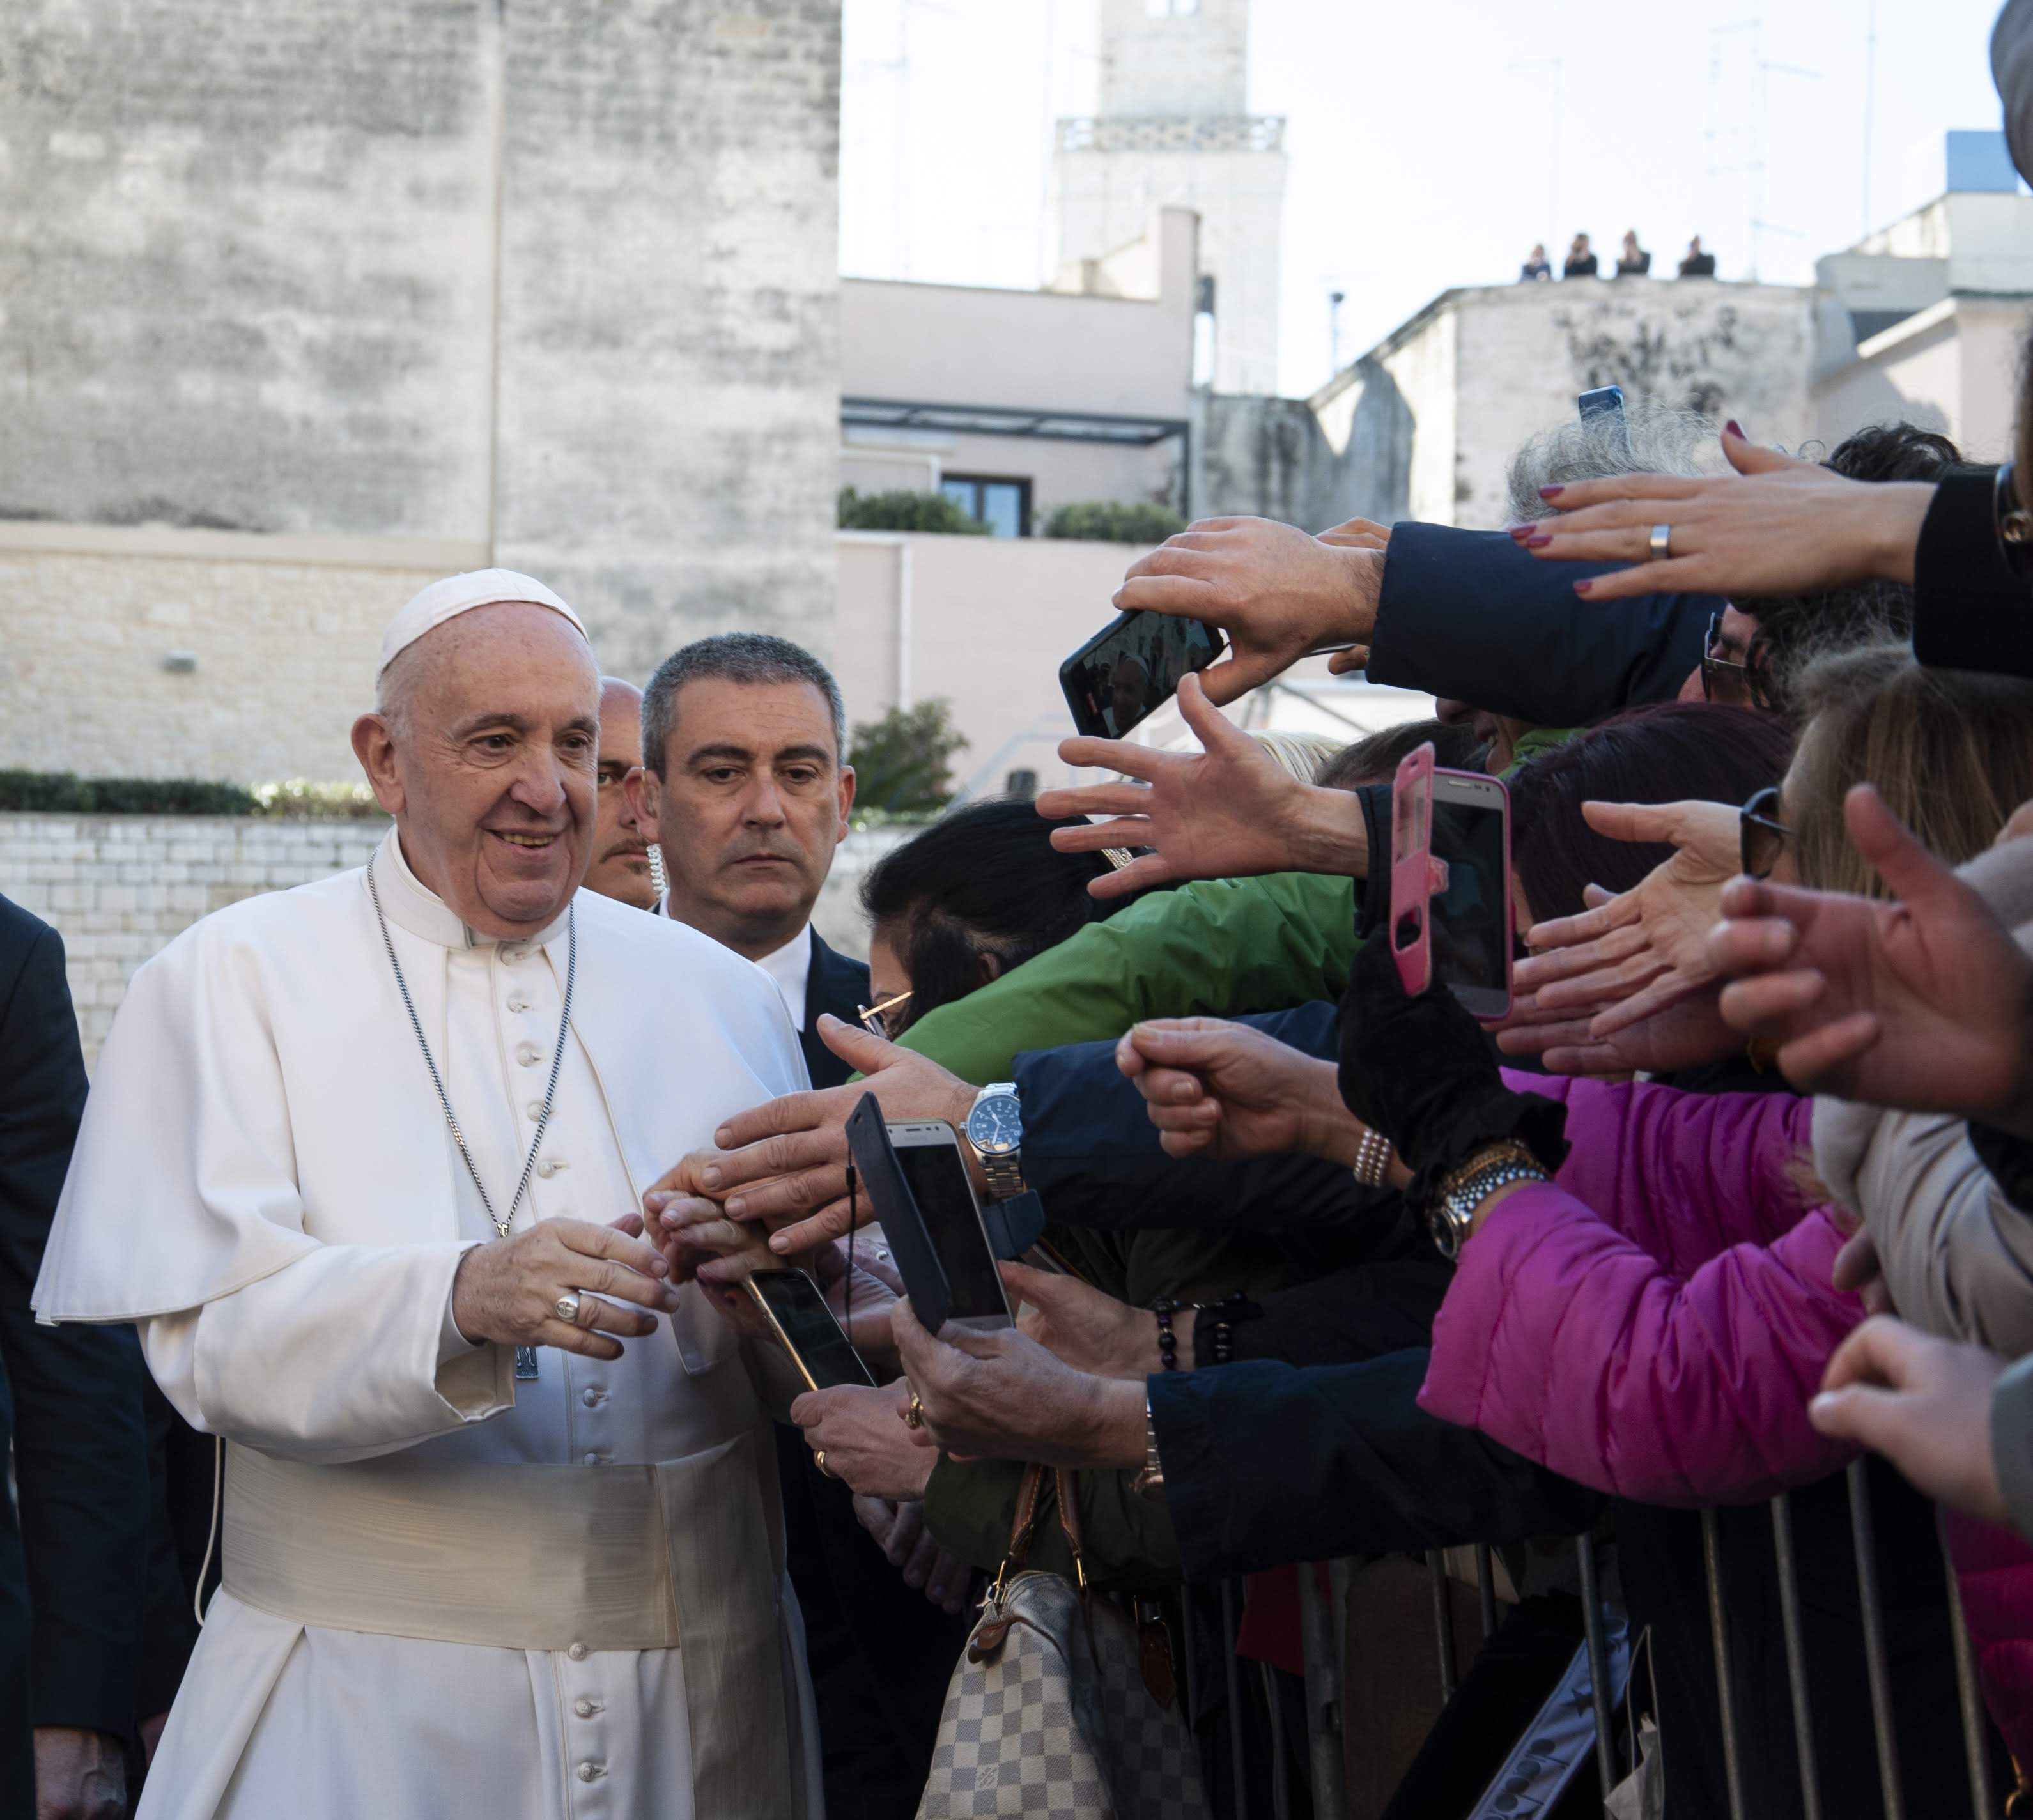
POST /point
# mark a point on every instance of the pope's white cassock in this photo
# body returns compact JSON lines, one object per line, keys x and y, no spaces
{"x":447,"y":1592}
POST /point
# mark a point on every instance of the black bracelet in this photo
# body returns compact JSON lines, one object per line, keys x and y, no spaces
{"x":1168,"y":1342}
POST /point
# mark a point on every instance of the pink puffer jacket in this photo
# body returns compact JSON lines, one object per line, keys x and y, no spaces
{"x":1995,"y":1573}
{"x":1653,"y":1321}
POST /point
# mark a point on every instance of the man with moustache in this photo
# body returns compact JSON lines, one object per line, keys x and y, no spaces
{"x":745,"y":791}
{"x":621,"y":867}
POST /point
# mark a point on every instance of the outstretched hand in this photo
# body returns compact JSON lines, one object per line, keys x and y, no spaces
{"x":1777,"y":526}
{"x":1924,"y":1003}
{"x":1646,"y":948}
{"x":1922,"y":1402}
{"x":1276,"y":592}
{"x":1229,"y":811}
{"x":1082,"y":1326}
{"x":785,"y":1163}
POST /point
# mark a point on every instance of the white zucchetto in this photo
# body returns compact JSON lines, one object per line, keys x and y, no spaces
{"x":456,"y":594}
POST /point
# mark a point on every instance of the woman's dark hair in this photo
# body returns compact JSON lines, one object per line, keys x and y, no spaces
{"x":1673,"y":752}
{"x":980,"y":891}
{"x":1375,"y":758}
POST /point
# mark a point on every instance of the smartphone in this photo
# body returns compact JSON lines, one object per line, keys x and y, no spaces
{"x":929,"y":1154}
{"x":818,"y":1345}
{"x":1604,"y":401}
{"x":918,"y":1187}
{"x":1130,"y":669}
{"x":1451,"y":915}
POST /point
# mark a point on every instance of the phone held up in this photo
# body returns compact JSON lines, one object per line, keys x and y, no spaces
{"x":790,"y":1300}
{"x":1450,"y":893}
{"x":919,"y":1188}
{"x":1130,"y":668}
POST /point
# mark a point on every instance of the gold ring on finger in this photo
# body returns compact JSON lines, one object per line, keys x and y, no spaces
{"x":819,"y":1455}
{"x":914,"y":1416}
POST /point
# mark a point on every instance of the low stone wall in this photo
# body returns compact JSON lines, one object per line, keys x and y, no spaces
{"x":118,"y":888}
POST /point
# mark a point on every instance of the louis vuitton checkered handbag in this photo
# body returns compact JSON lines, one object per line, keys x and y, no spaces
{"x":1049,"y":1715}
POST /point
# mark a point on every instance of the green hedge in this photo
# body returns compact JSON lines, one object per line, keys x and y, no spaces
{"x":906,"y":511}
{"x":1110,"y":521}
{"x":65,"y":793}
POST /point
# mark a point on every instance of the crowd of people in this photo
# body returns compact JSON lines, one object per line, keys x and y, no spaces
{"x":1632,"y":260}
{"x":394,"y":1431}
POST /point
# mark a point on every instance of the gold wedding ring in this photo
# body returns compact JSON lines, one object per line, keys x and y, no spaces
{"x":914,"y":1416}
{"x":818,"y":1455}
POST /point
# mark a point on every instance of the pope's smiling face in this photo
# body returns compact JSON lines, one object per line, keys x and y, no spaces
{"x":484,"y":750}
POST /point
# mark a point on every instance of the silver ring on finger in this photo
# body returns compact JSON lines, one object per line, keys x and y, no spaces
{"x":567,"y":1306}
{"x":1660,"y":544}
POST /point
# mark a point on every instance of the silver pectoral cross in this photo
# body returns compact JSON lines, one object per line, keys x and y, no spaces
{"x":525,"y":1364}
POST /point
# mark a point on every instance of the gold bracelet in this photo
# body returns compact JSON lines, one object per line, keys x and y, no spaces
{"x":1501,"y":1150}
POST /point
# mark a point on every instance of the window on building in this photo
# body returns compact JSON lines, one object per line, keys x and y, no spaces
{"x":1002,"y":505}
{"x":1171,"y":8}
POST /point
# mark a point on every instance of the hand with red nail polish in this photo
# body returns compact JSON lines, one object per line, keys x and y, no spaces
{"x":1775,"y":526}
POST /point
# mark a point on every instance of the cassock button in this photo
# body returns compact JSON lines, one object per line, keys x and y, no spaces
{"x":550,"y":1166}
{"x":586,"y":1708}
{"x":592,"y":1396}
{"x":519,"y":1001}
{"x":535,"y":1109}
{"x":591,"y":1772}
{"x":596,"y":1460}
{"x":528,"y":1054}
{"x":577,"y":1652}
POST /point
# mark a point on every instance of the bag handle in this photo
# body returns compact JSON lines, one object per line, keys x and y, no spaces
{"x":1022,"y":1530}
{"x":1068,"y":1503}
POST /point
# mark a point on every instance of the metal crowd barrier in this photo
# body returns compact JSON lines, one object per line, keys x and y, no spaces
{"x":1605,"y":1655}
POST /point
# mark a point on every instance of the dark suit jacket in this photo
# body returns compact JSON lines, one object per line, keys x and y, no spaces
{"x":1471,"y":615}
{"x":1970,"y":611}
{"x":835,"y":984}
{"x":73,"y":1577}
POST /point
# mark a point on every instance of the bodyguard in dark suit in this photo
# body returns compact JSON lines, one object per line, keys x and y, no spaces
{"x":744,"y":791}
{"x":73,"y":1570}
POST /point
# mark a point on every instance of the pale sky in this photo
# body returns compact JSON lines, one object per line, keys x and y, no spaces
{"x":1425,"y":148}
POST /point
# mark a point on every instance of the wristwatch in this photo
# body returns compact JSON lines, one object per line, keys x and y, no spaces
{"x":995,"y":1128}
{"x":1453,"y":1212}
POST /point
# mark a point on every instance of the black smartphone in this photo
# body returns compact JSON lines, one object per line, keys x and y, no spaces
{"x":1471,"y":920}
{"x":889,"y":1200}
{"x":820,"y":1349}
{"x":929,"y":1154}
{"x":1130,"y":668}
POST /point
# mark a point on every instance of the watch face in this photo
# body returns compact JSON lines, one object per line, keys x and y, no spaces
{"x":995,"y":1126}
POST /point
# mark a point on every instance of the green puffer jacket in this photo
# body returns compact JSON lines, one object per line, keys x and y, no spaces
{"x":1216,"y":948}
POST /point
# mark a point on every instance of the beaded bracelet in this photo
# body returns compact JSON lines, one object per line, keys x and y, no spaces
{"x":1168,"y":1342}
{"x":1220,"y":1334}
{"x":1372,"y":1157}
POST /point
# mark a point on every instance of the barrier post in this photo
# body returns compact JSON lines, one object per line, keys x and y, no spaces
{"x":1598,"y":1661}
{"x":1325,"y":1722}
{"x":1732,"y":1769}
{"x":1796,"y":1657}
{"x":1443,"y":1629}
{"x":1976,"y":1740}
{"x":1863,"y":1528}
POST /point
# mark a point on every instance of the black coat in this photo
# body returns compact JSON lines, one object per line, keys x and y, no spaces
{"x":1970,"y":611}
{"x":72,"y":1576}
{"x":1471,"y":615}
{"x":880,"y":1653}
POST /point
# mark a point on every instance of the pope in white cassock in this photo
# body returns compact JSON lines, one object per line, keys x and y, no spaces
{"x":498,"y":1530}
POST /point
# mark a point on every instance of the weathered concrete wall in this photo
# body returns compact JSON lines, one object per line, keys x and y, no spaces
{"x":551,"y":285}
{"x":1423,"y":426}
{"x":284,"y":631}
{"x":119,"y":888}
{"x":669,"y":315}
{"x":246,"y":261}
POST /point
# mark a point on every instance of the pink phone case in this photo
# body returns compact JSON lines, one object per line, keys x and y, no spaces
{"x":1411,"y":880}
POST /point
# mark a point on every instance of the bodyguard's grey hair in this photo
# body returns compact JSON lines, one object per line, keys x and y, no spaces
{"x":733,"y":658}
{"x":1649,"y":438}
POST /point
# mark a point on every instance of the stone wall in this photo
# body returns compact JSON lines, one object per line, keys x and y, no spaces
{"x":551,"y":285}
{"x":118,"y":888}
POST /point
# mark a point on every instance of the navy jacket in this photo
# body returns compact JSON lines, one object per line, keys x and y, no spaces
{"x":1970,"y":611}
{"x":1470,"y":616}
{"x":838,"y":984}
{"x":74,"y":1574}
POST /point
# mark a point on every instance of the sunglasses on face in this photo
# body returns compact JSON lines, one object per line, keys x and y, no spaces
{"x":1745,"y":684}
{"x":1761,"y":838}
{"x":878,"y":1018}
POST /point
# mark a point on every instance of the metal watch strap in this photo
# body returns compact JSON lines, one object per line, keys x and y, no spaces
{"x":1003,"y":1170}
{"x":1150,"y":1481}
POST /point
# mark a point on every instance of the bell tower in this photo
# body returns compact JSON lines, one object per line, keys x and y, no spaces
{"x":1173,"y":128}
